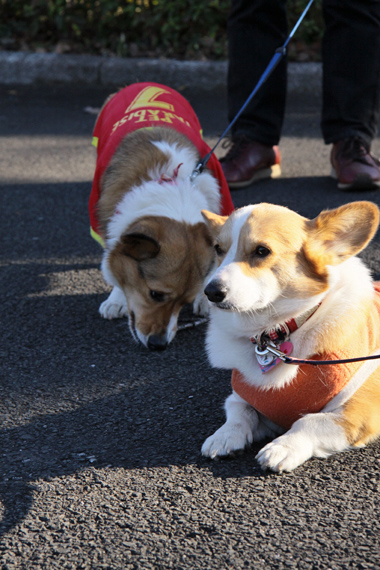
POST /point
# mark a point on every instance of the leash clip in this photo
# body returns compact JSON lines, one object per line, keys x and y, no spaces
{"x":269,"y":355}
{"x":264,"y":356}
{"x":277,"y":353}
{"x":200,"y":166}
{"x":197,"y":170}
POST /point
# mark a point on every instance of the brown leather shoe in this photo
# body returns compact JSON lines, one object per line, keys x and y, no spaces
{"x":353,"y":164}
{"x":248,"y":161}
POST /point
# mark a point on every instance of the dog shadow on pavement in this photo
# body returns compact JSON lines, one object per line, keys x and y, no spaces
{"x":78,"y":393}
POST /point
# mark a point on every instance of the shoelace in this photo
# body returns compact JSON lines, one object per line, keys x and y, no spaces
{"x":237,"y":144}
{"x":356,"y":149}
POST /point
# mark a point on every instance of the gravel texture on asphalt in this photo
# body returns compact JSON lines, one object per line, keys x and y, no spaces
{"x":100,"y":439}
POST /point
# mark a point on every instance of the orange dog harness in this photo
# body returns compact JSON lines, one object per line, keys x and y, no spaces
{"x":314,"y":386}
{"x":139,"y":106}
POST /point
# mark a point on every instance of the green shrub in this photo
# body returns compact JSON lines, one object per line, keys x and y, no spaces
{"x":172,"y":28}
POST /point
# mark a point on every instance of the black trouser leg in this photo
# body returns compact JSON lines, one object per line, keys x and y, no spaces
{"x":256,"y":28}
{"x":351,"y":69}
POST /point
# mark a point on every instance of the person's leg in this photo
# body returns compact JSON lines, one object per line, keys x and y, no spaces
{"x":351,"y":69}
{"x":351,"y":89}
{"x":256,"y":28}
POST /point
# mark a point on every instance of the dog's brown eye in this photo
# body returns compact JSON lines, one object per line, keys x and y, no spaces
{"x":157,"y":296}
{"x":218,"y":249}
{"x":261,"y":251}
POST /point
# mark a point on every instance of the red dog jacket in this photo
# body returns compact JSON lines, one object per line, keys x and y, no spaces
{"x":147,"y":105}
{"x":314,"y":386}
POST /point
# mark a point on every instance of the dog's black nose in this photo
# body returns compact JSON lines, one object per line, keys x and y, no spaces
{"x":157,"y":342}
{"x":215,"y":292}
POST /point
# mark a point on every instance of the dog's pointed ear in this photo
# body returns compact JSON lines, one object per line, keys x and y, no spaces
{"x":343,"y":232}
{"x":214,"y":221}
{"x":140,"y":246}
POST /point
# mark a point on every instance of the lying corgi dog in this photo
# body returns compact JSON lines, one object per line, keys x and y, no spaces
{"x":295,"y":283}
{"x":145,"y":209}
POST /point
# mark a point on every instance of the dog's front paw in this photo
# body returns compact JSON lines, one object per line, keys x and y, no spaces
{"x":200,"y":305}
{"x":113,"y":310}
{"x":280,"y":455}
{"x":115,"y":307}
{"x":226,"y":440}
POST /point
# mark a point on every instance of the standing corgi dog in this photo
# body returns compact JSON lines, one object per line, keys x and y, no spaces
{"x":145,"y":209}
{"x":295,"y":284}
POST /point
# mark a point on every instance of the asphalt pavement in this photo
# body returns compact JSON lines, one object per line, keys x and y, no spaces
{"x":100,"y":439}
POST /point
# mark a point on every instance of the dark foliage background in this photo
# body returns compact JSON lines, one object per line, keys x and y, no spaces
{"x":182,"y":29}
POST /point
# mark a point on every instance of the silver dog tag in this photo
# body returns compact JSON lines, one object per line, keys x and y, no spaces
{"x":264,"y":357}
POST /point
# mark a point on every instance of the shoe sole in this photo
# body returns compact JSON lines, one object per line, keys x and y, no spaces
{"x":360,"y":183}
{"x":271,"y":172}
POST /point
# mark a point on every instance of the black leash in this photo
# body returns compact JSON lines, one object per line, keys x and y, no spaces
{"x":290,"y":360}
{"x":279,"y":54}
